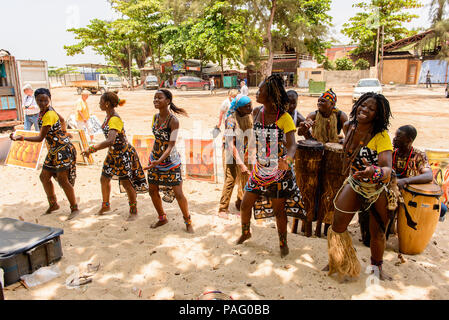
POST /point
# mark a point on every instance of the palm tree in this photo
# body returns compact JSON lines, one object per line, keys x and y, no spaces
{"x":437,"y":10}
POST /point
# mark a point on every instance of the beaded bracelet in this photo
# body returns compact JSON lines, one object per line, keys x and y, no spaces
{"x":289,"y":160}
{"x":378,"y":174}
{"x":92,"y":149}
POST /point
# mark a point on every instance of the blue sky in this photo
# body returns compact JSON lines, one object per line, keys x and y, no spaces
{"x":36,"y":29}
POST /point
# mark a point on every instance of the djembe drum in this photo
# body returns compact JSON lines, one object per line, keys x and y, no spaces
{"x":331,"y":181}
{"x":308,"y":158}
{"x":418,"y":216}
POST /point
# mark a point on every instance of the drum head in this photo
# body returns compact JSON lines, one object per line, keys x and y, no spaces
{"x":427,"y":188}
{"x":335,"y":147}
{"x":310,"y":145}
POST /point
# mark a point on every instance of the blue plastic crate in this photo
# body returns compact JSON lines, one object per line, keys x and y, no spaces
{"x":4,"y":103}
{"x":12,"y":103}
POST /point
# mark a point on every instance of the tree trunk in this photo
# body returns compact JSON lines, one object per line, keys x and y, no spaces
{"x":269,"y":64}
{"x":130,"y":68}
{"x":222,"y":71}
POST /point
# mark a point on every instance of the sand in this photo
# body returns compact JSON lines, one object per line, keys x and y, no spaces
{"x":137,"y":262}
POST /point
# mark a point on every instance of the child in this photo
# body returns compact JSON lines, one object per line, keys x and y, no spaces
{"x":164,"y":170}
{"x":60,"y":161}
{"x":292,"y":104}
{"x":122,"y":161}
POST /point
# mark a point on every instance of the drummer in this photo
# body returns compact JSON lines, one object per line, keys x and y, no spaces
{"x":326,"y":123}
{"x":409,"y":163}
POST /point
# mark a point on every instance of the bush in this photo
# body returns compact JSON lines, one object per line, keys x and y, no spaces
{"x":344,"y":64}
{"x":328,"y":65}
{"x":362,"y":64}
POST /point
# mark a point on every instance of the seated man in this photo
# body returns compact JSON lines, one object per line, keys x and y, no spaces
{"x":410,"y":164}
{"x":324,"y":124}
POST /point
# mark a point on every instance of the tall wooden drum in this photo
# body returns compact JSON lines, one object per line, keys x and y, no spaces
{"x":418,"y":217}
{"x":331,"y":179}
{"x":307,"y":167}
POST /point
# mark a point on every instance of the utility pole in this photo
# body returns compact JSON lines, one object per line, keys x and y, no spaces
{"x":377,"y":53}
{"x":382,"y":56}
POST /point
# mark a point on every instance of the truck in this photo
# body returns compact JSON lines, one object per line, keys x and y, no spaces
{"x":103,"y":83}
{"x":14,"y":74}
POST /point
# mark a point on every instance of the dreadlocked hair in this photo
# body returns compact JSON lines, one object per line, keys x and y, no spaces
{"x":276,"y":92}
{"x":383,"y":113}
{"x":172,"y":106}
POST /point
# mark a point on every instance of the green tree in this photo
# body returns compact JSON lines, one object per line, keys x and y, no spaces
{"x":218,"y":34}
{"x":55,"y":71}
{"x":344,"y":64}
{"x":362,"y":64}
{"x":363,"y":27}
{"x":301,"y":24}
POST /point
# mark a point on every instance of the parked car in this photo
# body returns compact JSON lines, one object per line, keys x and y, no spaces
{"x":447,"y":90}
{"x":151,"y":82}
{"x":189,"y":82}
{"x":366,"y":85}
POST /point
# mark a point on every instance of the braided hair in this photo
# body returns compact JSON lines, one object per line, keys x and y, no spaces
{"x":383,"y":113}
{"x":276,"y":92}
{"x":172,"y":106}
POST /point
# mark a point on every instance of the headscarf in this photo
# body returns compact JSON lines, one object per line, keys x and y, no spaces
{"x":238,"y":102}
{"x":330,"y":95}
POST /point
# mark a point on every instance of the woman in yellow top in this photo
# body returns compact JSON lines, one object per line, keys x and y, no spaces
{"x":61,"y":158}
{"x":273,"y":176}
{"x":367,"y":150}
{"x":122,"y":161}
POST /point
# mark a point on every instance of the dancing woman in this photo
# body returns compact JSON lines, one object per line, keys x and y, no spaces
{"x":122,"y":161}
{"x":368,"y":151}
{"x":272,"y":175}
{"x":60,"y":161}
{"x":164,"y":170}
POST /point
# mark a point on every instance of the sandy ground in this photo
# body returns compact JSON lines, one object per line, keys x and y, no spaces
{"x":168,"y":263}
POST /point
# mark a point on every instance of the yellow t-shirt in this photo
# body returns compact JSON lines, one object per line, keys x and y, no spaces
{"x":381,"y":142}
{"x":49,"y":118}
{"x":286,"y":123}
{"x":81,"y":107}
{"x":116,"y":123}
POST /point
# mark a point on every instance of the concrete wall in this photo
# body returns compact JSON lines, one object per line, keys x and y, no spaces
{"x":345,"y":77}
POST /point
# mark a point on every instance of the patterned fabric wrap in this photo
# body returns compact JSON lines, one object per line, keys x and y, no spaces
{"x":329,"y":95}
{"x":61,"y":154}
{"x":418,"y":162}
{"x":168,"y":173}
{"x":122,"y":162}
{"x":285,"y":187}
{"x":370,"y":155}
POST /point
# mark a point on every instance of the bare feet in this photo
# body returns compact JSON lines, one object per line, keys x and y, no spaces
{"x":189,"y":228}
{"x":132,"y":217}
{"x":158,"y":224}
{"x":53,"y":207}
{"x":243,"y":238}
{"x":103,"y":210}
{"x":380,"y":274}
{"x":284,"y":251}
{"x":223,"y":214}
{"x":74,"y":213}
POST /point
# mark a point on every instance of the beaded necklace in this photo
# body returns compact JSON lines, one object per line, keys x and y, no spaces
{"x":406,"y":165}
{"x":263,"y":176}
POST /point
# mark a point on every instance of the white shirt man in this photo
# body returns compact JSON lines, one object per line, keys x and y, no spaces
{"x":30,"y":108}
{"x":243,"y":88}
{"x":83,"y":114}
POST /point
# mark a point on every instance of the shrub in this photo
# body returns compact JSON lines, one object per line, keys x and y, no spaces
{"x":362,"y":64}
{"x":344,"y":64}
